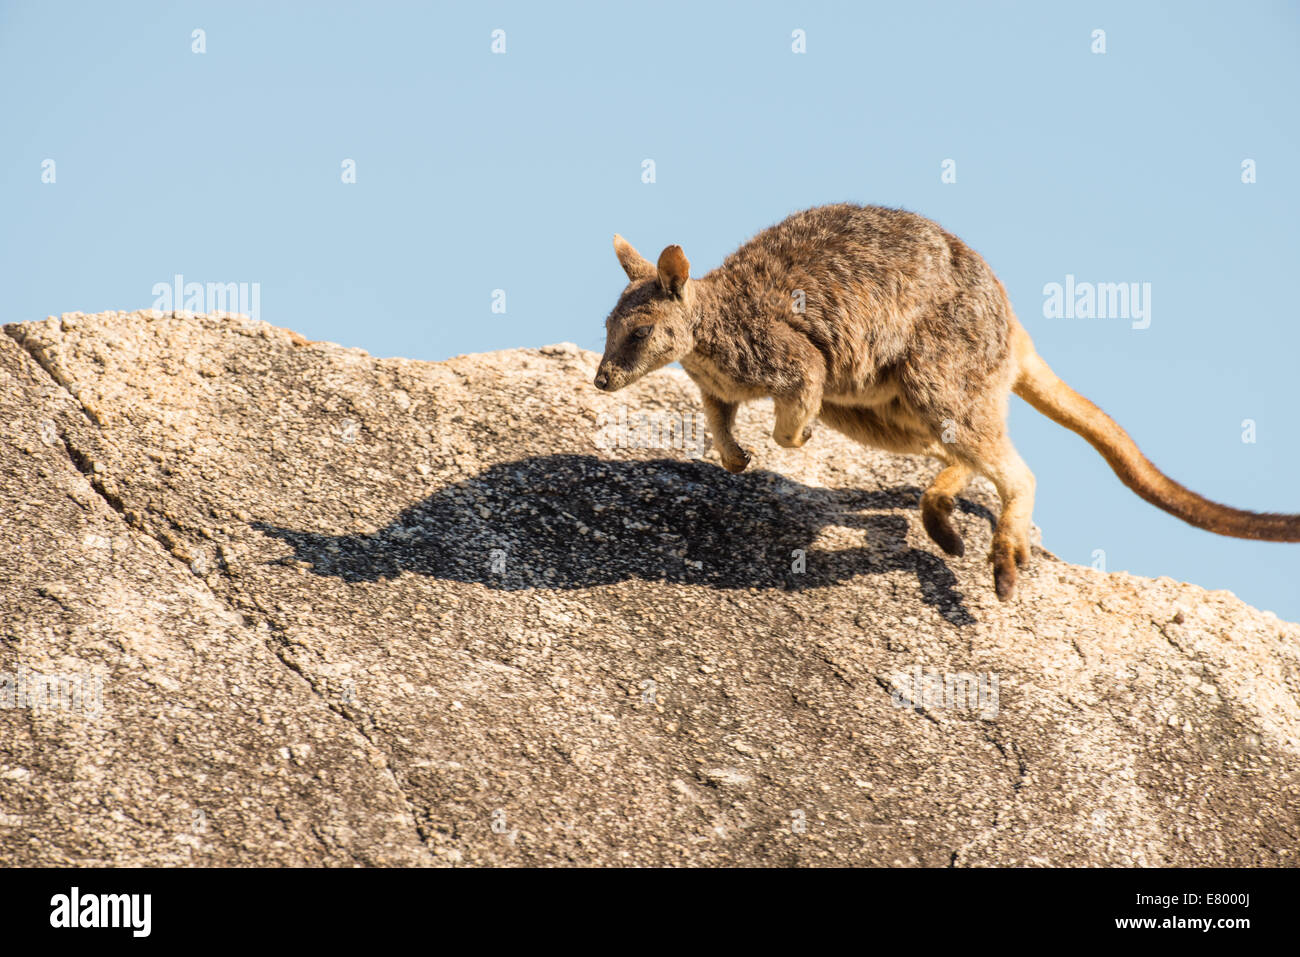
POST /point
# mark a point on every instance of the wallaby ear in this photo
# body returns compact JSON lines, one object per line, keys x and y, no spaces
{"x":634,"y":264}
{"x":674,"y":270}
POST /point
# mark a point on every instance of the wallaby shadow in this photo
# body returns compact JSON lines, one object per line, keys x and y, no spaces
{"x":577,"y":521}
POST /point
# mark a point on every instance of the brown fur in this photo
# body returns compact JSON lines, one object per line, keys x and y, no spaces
{"x":906,"y":342}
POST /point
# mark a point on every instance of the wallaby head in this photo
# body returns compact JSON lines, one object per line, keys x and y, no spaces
{"x":653,"y":322}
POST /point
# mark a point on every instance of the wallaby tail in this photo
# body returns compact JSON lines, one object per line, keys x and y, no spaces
{"x":1043,"y":389}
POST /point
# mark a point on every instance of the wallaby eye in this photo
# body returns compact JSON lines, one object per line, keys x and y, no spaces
{"x":640,"y":332}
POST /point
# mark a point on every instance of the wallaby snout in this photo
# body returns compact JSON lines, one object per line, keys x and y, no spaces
{"x":610,"y":377}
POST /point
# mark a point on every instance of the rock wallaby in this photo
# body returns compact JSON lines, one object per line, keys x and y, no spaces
{"x":897,"y":334}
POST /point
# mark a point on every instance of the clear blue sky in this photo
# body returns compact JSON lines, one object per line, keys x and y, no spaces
{"x":478,"y":172}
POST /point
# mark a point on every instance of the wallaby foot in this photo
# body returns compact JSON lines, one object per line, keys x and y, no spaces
{"x":1015,"y":485}
{"x":1008,"y":557}
{"x":937,"y":505}
{"x":735,"y":459}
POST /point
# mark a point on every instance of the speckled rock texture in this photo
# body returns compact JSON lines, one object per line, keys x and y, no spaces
{"x":327,"y":609}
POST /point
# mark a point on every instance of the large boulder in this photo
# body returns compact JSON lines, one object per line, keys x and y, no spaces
{"x":346,"y":610}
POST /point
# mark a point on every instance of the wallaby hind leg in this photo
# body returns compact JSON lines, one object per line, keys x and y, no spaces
{"x":1015,"y":484}
{"x":937,"y":505}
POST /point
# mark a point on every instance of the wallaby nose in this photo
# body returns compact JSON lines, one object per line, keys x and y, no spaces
{"x":602,"y":380}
